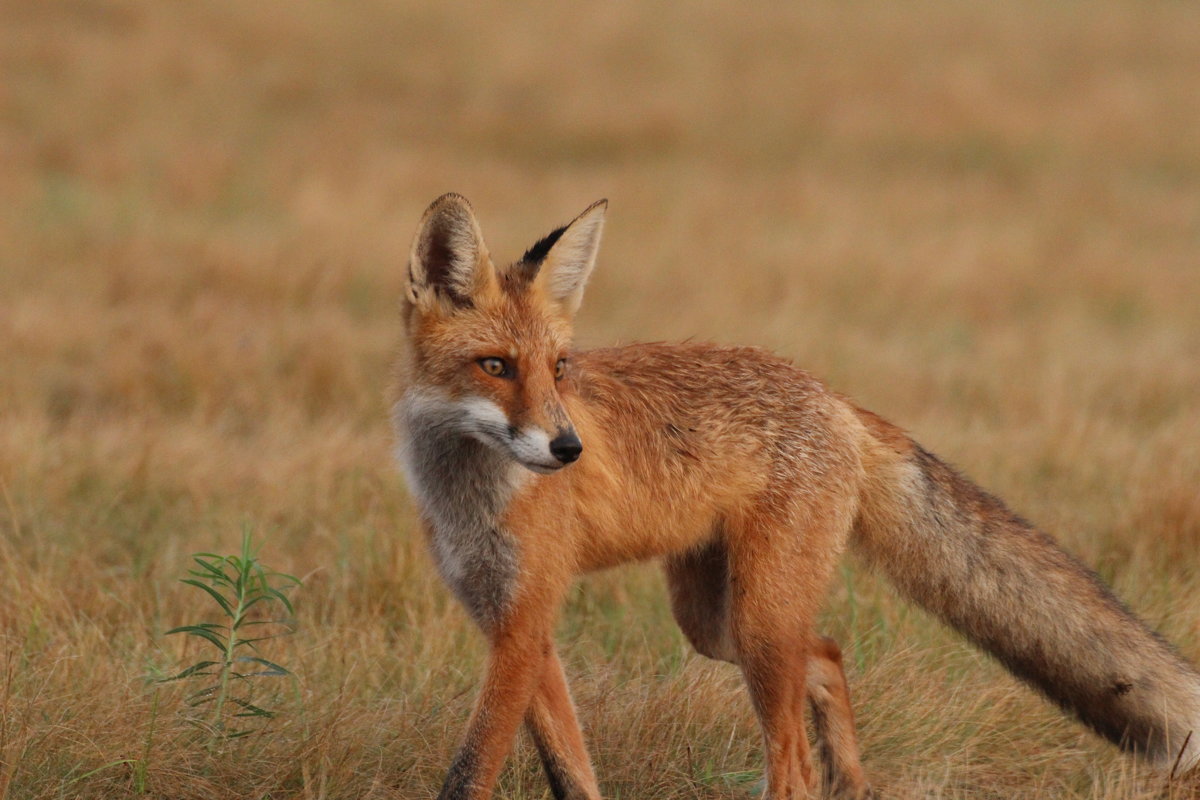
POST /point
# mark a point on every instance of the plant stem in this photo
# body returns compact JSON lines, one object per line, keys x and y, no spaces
{"x":230,"y":643}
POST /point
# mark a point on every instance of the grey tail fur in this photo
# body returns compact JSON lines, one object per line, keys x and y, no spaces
{"x":958,"y":552}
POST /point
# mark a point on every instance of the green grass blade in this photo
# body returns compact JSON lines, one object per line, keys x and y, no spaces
{"x":213,"y":593}
{"x":203,"y":633}
{"x":251,"y":710}
{"x":194,"y":669}
{"x":271,"y":667}
{"x":283,"y":599}
{"x":210,"y":568}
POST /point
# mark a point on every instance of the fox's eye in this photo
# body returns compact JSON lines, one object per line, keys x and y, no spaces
{"x":496,"y":367}
{"x":560,"y":369}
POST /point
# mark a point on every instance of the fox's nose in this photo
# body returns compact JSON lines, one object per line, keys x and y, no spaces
{"x":566,"y":447}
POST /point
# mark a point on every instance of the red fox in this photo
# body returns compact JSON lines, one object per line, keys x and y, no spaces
{"x":532,"y":462}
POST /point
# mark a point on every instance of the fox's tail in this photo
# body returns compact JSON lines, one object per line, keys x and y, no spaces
{"x":962,"y":555}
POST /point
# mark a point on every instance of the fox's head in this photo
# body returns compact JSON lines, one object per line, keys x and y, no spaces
{"x":488,"y":347}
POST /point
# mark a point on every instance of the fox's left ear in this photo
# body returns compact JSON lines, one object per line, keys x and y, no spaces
{"x":567,"y":257}
{"x":449,"y":266}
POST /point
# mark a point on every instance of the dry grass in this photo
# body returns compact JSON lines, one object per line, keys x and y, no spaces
{"x":982,"y":220}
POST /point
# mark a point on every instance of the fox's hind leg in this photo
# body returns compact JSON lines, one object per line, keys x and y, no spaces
{"x":769,"y":626}
{"x":722,"y":621}
{"x":702,"y":601}
{"x":833,"y":721}
{"x":700,"y":588}
{"x":781,"y":556}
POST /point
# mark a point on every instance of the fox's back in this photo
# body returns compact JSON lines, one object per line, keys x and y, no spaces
{"x":678,"y":437}
{"x":704,"y":401}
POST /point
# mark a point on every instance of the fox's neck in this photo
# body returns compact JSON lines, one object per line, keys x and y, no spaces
{"x":462,"y":487}
{"x":458,"y":481}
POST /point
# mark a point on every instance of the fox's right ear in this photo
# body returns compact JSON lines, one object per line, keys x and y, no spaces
{"x":449,"y":264}
{"x":564,"y":259}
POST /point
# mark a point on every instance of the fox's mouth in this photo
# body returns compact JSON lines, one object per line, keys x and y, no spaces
{"x":505,"y":445}
{"x":535,"y":451}
{"x":541,"y":468}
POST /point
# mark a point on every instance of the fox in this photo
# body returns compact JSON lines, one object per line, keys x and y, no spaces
{"x":531,"y":463}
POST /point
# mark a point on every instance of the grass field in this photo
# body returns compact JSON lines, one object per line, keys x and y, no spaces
{"x":980,"y":220}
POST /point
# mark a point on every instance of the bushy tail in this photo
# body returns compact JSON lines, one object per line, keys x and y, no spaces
{"x":959,"y":553}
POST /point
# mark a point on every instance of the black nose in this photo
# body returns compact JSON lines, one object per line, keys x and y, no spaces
{"x":566,"y":447}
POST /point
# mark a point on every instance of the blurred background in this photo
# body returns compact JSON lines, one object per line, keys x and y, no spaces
{"x":980,"y":220}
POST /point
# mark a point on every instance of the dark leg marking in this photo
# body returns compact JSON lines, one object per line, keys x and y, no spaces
{"x":561,"y":785}
{"x":461,"y":777}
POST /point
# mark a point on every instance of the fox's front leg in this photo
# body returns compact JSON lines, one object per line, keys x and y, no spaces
{"x":521,"y":646}
{"x":555,"y":730}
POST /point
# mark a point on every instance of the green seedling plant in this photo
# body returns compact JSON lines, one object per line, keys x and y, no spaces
{"x":256,"y":609}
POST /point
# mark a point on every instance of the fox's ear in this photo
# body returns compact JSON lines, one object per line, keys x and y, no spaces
{"x":566,"y":257}
{"x":449,"y":262}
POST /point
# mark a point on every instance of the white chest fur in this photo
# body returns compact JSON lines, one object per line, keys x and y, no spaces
{"x":461,"y":486}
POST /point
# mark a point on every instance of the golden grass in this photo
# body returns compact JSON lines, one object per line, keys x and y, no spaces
{"x":981,"y":220}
